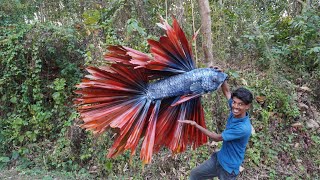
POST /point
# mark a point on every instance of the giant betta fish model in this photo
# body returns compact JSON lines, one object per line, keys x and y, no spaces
{"x":143,"y":96}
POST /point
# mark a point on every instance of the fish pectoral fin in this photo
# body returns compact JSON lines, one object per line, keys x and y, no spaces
{"x":185,"y":98}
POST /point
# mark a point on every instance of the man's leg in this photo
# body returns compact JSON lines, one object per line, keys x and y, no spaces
{"x":224,"y":175}
{"x":206,"y":170}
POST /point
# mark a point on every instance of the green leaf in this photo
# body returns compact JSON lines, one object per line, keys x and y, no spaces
{"x":91,"y":17}
{"x":20,"y":138}
{"x":250,"y":37}
{"x":56,"y":96}
{"x":133,"y":25}
{"x":233,"y":73}
{"x":108,"y":165}
{"x":4,"y":159}
{"x":91,"y":46}
{"x":313,"y":50}
{"x":13,"y":100}
{"x":15,"y":155}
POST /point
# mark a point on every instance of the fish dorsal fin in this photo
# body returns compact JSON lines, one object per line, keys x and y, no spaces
{"x":172,"y":52}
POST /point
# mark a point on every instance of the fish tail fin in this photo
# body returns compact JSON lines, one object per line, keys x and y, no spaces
{"x":177,"y":136}
{"x":115,"y":97}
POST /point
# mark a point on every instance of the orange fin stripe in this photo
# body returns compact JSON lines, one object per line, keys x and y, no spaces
{"x":100,"y":99}
{"x":171,"y":50}
{"x":99,"y":92}
{"x":130,"y":138}
{"x":174,"y":39}
{"x":182,"y":38}
{"x":148,"y":142}
{"x":105,"y":110}
{"x":167,"y":117}
{"x":121,"y":120}
{"x":186,"y":98}
{"x":136,"y":132}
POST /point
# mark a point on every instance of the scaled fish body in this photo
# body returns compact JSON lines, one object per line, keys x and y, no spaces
{"x":197,"y":81}
{"x":144,"y":96}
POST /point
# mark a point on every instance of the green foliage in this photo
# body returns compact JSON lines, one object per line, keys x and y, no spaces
{"x":34,"y":65}
{"x":91,"y":17}
{"x":15,"y":11}
{"x":291,"y":41}
{"x":277,"y":99}
{"x":3,"y":161}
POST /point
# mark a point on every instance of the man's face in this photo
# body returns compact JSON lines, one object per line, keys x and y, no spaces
{"x":239,"y":108}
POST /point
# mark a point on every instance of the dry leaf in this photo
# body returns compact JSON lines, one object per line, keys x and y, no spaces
{"x":252,"y":130}
{"x":260,"y":99}
{"x":297,"y":125}
{"x":305,"y":88}
{"x":241,"y":168}
{"x":303,"y":106}
{"x":244,"y":82}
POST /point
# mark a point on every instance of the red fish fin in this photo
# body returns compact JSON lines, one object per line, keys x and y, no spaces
{"x":126,"y":56}
{"x":177,"y":136}
{"x":111,"y":98}
{"x":172,"y":52}
{"x":148,"y":143}
{"x":185,"y":98}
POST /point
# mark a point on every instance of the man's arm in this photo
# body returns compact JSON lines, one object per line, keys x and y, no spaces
{"x":225,"y":87}
{"x":216,"y":137}
{"x":226,"y":90}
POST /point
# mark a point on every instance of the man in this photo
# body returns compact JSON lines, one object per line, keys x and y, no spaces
{"x":225,"y":164}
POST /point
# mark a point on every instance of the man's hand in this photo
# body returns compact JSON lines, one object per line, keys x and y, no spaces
{"x":217,"y":68}
{"x":225,"y":87}
{"x":216,"y":137}
{"x":192,"y":123}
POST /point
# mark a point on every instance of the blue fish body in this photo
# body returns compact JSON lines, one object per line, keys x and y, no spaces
{"x":197,"y":81}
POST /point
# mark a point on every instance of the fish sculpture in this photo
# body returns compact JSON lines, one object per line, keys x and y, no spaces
{"x":143,"y":96}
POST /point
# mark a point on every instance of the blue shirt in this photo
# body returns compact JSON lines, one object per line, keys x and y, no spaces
{"x":235,"y":139}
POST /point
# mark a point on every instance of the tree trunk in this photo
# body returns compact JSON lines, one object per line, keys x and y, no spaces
{"x":297,"y":7}
{"x":216,"y":113}
{"x":180,"y":12}
{"x":206,"y":31}
{"x":142,"y":14}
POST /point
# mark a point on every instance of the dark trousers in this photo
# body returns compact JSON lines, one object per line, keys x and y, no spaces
{"x":209,"y":169}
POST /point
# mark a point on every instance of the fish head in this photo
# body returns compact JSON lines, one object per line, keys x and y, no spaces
{"x":212,"y":79}
{"x":218,"y":76}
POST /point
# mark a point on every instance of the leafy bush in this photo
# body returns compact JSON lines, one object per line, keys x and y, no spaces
{"x":39,"y":66}
{"x":287,"y":41}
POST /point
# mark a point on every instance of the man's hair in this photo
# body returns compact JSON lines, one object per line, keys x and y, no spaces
{"x":243,"y":94}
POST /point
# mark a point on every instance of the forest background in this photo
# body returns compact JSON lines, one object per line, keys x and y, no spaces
{"x":270,"y":47}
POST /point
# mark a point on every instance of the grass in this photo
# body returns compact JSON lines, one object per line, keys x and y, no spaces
{"x":35,"y":174}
